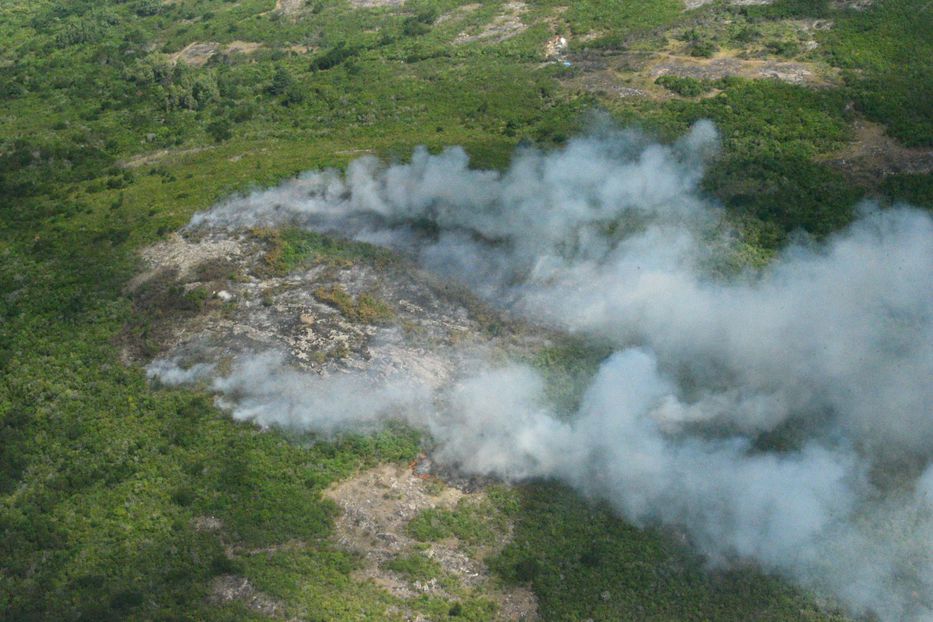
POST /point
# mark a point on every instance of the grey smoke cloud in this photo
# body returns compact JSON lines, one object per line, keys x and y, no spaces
{"x":609,"y":237}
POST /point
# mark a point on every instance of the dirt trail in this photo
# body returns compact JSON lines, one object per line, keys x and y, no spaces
{"x":147,"y":159}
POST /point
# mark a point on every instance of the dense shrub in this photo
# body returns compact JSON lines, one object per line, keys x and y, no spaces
{"x":686,"y":86}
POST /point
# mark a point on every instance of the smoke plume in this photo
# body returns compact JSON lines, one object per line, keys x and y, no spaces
{"x":781,"y":414}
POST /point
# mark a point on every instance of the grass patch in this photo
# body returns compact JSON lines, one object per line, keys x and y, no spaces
{"x":568,"y":367}
{"x":415,"y":567}
{"x":475,"y":523}
{"x":365,"y":308}
{"x":292,"y":247}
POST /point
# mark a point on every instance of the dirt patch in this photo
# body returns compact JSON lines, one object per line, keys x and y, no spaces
{"x":177,"y":253}
{"x":633,"y":74}
{"x":228,"y":588}
{"x":195,"y":54}
{"x":289,"y":7}
{"x":607,"y":83}
{"x":611,"y":74}
{"x":207,"y":523}
{"x":725,"y":65}
{"x":378,"y":504}
{"x":502,"y":27}
{"x":555,"y":47}
{"x":242,"y":47}
{"x":874,"y":155}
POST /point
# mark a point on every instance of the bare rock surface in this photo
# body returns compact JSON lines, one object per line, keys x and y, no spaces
{"x":421,"y":329}
{"x":195,"y":54}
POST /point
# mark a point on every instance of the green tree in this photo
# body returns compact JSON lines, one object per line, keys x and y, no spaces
{"x":282,"y":80}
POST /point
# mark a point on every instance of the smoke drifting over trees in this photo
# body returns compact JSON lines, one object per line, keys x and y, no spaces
{"x":761,"y":410}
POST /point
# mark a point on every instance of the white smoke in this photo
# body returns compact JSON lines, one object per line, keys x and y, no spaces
{"x":831,"y":346}
{"x":170,"y":373}
{"x":264,"y":390}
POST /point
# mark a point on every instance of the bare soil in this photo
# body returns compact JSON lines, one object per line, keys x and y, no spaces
{"x":873,"y":155}
{"x":378,"y":504}
{"x":243,"y":47}
{"x":725,"y":65}
{"x":227,"y":588}
{"x":633,"y":74}
{"x":195,"y":54}
{"x":858,"y":5}
{"x":502,"y":27}
{"x":289,"y":7}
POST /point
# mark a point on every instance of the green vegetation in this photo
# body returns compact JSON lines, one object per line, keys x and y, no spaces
{"x":583,"y":562}
{"x":415,"y":567}
{"x":475,"y":523}
{"x":688,"y":87}
{"x":772,"y":132}
{"x":568,"y":366}
{"x":110,"y":139}
{"x":366,"y":308}
{"x":883,"y":54}
{"x":292,"y":247}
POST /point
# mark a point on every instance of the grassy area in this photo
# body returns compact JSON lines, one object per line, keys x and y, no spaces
{"x":364,"y":308}
{"x":475,"y":523}
{"x":585,"y":563}
{"x":292,"y":247}
{"x":107,"y":144}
